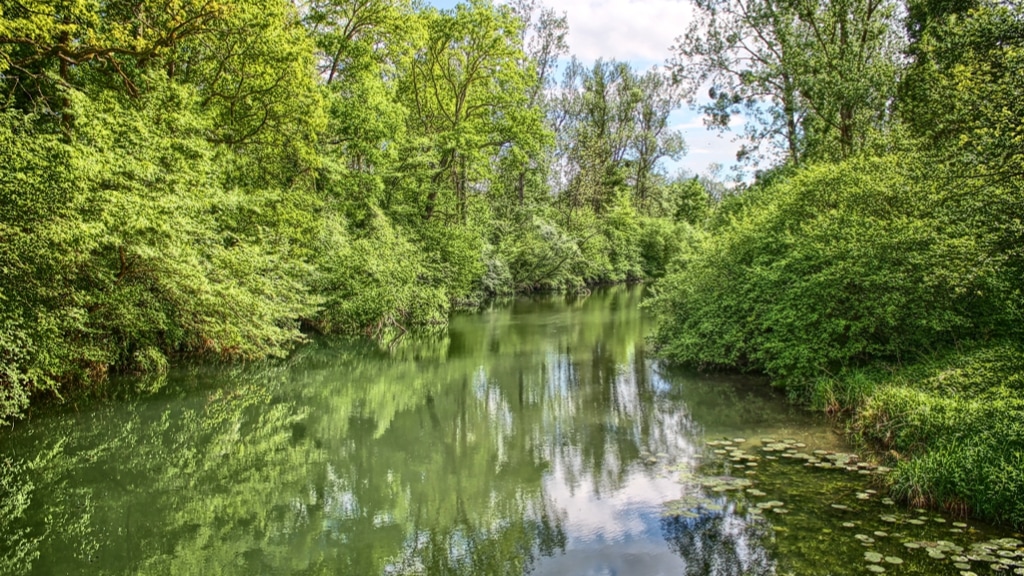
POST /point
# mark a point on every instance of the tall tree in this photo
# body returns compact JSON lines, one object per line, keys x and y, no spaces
{"x":613,"y":131}
{"x":544,"y":34}
{"x":47,"y":47}
{"x":814,"y":77}
{"x":745,"y":54}
{"x":363,"y":46}
{"x":468,"y":94}
{"x":653,"y":139}
{"x":964,"y":90}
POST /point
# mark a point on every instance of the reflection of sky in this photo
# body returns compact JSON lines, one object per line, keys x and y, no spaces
{"x":594,"y":412}
{"x":617,"y":533}
{"x":613,"y":527}
{"x":596,"y":519}
{"x":530,"y":433}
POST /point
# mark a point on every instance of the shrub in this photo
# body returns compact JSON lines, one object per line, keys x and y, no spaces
{"x":838,"y":266}
{"x":376,"y":283}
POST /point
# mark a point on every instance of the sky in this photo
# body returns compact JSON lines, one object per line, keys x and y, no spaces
{"x":642,"y":32}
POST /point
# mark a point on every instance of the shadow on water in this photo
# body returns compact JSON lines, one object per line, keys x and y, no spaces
{"x":534,"y":437}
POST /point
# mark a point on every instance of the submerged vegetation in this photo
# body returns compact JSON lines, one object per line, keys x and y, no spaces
{"x":813,"y":508}
{"x":877,"y":269}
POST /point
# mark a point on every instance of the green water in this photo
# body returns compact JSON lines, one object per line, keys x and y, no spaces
{"x":536,"y":437}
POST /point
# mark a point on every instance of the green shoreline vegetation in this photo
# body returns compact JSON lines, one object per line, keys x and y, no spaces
{"x":218,"y":179}
{"x":878,"y":271}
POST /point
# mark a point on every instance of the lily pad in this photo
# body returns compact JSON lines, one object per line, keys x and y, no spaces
{"x":873,"y":557}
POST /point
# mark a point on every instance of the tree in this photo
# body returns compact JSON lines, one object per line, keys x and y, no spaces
{"x":362,"y":48}
{"x":653,"y":140}
{"x":468,"y":94}
{"x":613,"y":131}
{"x":47,"y":47}
{"x":544,"y":33}
{"x":964,"y":91}
{"x":813,"y":76}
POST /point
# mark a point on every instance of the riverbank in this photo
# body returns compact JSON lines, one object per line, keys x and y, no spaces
{"x":388,"y":328}
{"x":951,"y":425}
{"x":884,"y":287}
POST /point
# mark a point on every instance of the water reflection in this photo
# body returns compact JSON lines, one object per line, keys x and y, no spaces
{"x":520,"y":442}
{"x":720,"y":544}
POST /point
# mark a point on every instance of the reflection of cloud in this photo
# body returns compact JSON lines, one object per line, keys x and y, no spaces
{"x":615,"y":533}
{"x":626,"y":513}
{"x":646,"y":558}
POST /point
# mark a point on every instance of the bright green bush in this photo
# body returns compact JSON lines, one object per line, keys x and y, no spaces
{"x":172,"y":267}
{"x":134,"y":249}
{"x":622,"y":230}
{"x":835,"y":267}
{"x":659,"y":244}
{"x":43,"y":242}
{"x":452,"y":255}
{"x":376,"y":284}
{"x":540,"y":255}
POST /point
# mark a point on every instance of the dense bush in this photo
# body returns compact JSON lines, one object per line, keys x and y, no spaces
{"x":126,"y":253}
{"x":837,"y":266}
{"x":377,"y":283}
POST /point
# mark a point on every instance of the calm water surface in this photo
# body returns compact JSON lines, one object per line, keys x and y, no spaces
{"x":537,"y":437}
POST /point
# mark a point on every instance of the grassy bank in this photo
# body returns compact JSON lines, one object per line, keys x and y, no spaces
{"x":951,"y":424}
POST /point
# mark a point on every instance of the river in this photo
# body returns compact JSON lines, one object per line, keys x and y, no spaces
{"x":536,"y":437}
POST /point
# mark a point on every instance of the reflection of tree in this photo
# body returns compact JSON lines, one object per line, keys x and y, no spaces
{"x":426,"y":458}
{"x":20,"y":548}
{"x":720,"y":544}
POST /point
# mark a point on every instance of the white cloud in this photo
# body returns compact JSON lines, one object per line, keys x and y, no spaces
{"x":640,"y":31}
